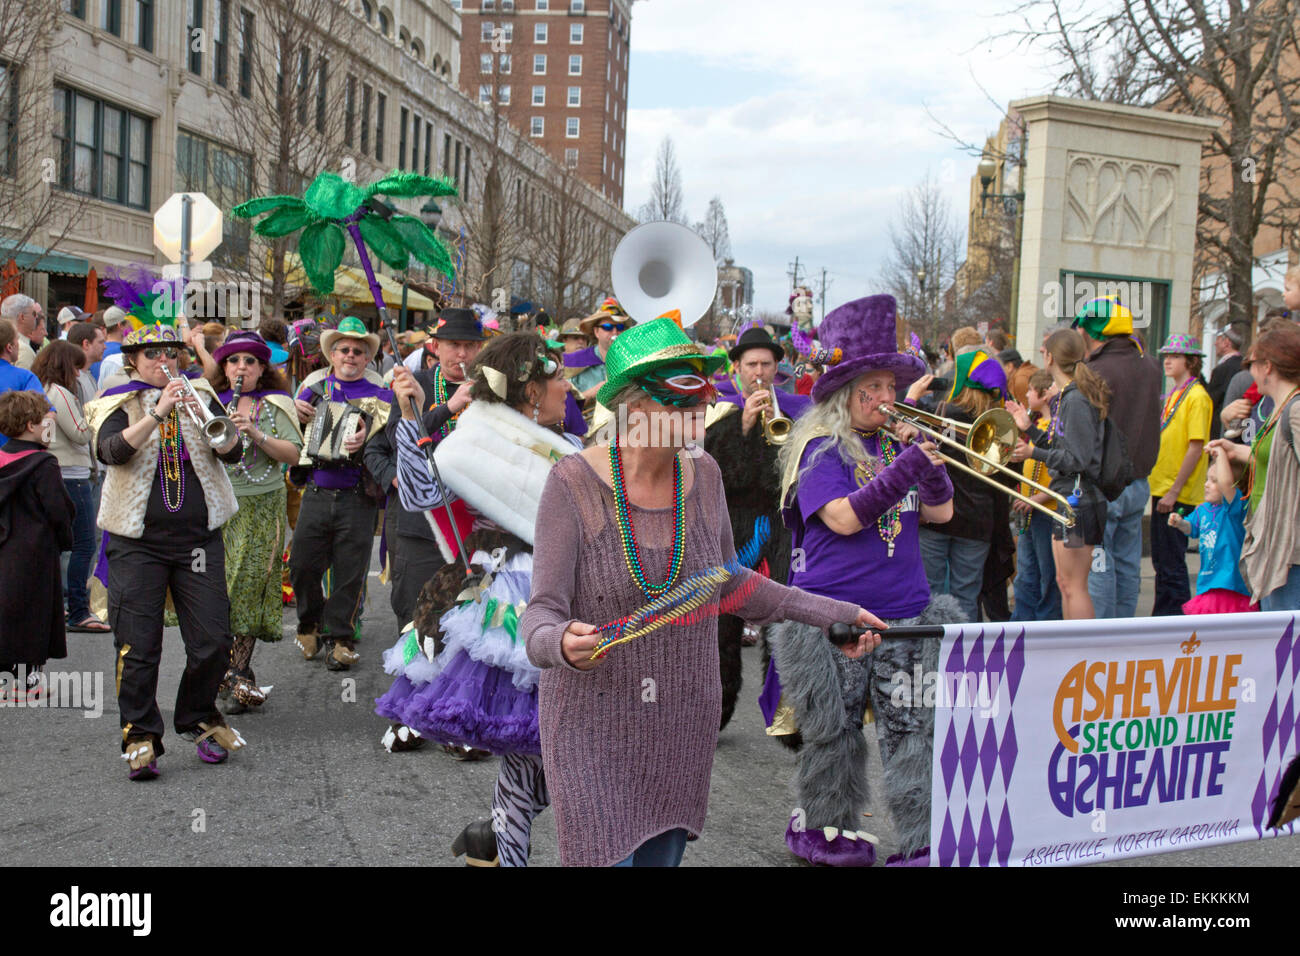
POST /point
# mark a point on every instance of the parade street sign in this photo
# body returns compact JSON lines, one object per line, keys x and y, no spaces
{"x":1072,"y":742}
{"x":204,"y":227}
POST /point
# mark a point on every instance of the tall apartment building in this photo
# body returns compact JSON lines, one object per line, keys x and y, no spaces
{"x":558,"y":69}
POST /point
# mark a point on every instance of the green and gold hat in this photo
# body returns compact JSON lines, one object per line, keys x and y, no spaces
{"x":1104,"y":317}
{"x":647,"y":347}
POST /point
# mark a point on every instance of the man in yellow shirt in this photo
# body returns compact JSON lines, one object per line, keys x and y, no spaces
{"x":1178,"y":478}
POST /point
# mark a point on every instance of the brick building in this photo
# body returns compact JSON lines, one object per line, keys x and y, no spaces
{"x":558,"y":69}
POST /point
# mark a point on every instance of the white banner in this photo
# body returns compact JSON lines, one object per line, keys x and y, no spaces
{"x":1071,"y":742}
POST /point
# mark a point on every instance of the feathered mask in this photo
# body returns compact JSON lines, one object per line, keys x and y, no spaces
{"x":810,"y":350}
{"x":146,"y":298}
{"x":680,"y":385}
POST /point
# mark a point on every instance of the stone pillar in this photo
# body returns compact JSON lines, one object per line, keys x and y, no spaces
{"x":1109,"y":191}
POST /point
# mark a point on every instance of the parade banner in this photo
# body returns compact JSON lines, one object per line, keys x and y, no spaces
{"x":1074,"y":742}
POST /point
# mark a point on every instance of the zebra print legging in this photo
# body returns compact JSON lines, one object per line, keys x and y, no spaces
{"x":520,"y":795}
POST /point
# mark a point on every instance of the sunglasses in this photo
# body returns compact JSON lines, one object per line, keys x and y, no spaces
{"x":249,"y":360}
{"x":346,"y":350}
{"x":154,"y":354}
{"x":612,"y":326}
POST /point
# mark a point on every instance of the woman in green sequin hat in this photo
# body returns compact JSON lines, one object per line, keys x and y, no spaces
{"x":628,"y":738}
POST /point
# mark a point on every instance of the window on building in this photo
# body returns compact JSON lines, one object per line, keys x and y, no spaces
{"x":385,"y":24}
{"x":322,"y":92}
{"x":539,"y":96}
{"x":224,"y":175}
{"x":575,"y":65}
{"x":8,"y":120}
{"x":455,"y":172}
{"x":539,"y":32}
{"x":488,"y":5}
{"x":485,"y":63}
{"x":446,"y":154}
{"x":76,"y":7}
{"x":194,"y":40}
{"x":604,"y":163}
{"x":455,"y":4}
{"x":571,"y":127}
{"x":508,"y":6}
{"x":304,"y":80}
{"x":368,"y":11}
{"x":349,"y":109}
{"x":575,"y":32}
{"x":571,"y":158}
{"x":247,"y":37}
{"x":543,"y":4}
{"x":366,"y":95}
{"x":503,"y":95}
{"x":508,"y":32}
{"x":110,"y":16}
{"x":381,"y":103}
{"x":577,"y":6}
{"x":220,"y":42}
{"x":464,"y":185}
{"x":575,"y":96}
{"x":539,"y":126}
{"x":488,"y":27}
{"x":103,"y":149}
{"x":415,"y":143}
{"x":503,"y":63}
{"x":485,"y":93}
{"x":539,"y":64}
{"x":144,"y":24}
{"x":428,"y":148}
{"x":401,"y":139}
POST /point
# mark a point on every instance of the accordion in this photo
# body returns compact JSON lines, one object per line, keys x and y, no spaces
{"x":335,"y":422}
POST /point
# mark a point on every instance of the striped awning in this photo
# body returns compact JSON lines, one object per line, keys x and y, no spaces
{"x":30,"y":258}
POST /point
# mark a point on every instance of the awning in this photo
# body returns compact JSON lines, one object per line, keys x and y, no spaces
{"x":350,"y":285}
{"x":30,"y":258}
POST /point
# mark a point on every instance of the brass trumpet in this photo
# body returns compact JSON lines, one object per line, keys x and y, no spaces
{"x":218,"y":430}
{"x":987,"y":443}
{"x":776,"y":425}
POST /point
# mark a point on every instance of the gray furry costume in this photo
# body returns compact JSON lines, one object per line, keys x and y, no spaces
{"x":829,"y":693}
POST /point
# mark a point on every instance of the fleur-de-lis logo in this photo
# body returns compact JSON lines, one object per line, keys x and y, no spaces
{"x":1190,"y":645}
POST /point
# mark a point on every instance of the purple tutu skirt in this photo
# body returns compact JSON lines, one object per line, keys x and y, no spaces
{"x":469,"y":703}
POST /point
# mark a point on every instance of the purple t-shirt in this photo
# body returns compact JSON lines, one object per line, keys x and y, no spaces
{"x":855,"y":567}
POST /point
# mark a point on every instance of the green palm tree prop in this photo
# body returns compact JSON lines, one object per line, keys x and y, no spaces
{"x":333,"y":208}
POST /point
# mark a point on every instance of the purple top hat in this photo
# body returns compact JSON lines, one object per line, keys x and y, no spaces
{"x":865,"y":330}
{"x":249,"y":342}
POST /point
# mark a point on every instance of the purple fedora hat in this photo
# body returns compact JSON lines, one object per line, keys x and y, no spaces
{"x":249,"y":342}
{"x":865,"y":331}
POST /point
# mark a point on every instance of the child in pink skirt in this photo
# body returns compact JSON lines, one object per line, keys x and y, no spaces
{"x":1219,"y":522}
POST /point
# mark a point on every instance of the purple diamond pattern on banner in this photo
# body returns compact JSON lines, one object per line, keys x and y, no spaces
{"x":978,"y":754}
{"x":1279,"y":725}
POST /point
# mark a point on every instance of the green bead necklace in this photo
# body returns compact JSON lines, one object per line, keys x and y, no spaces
{"x":631,"y":552}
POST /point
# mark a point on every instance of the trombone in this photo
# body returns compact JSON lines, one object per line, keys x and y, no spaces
{"x":987,"y":443}
{"x":218,"y":430}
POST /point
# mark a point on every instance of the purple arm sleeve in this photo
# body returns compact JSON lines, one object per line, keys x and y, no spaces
{"x":888,"y":488}
{"x":935,"y":486}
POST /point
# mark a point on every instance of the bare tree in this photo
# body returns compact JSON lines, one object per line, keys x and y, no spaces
{"x":665,"y":202}
{"x":713,"y":230}
{"x":298,"y":109}
{"x":925,"y":245}
{"x":34,"y":210}
{"x":572,"y":245}
{"x":1235,"y":62}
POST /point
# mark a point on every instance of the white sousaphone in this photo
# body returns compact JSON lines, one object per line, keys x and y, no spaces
{"x":660,"y":266}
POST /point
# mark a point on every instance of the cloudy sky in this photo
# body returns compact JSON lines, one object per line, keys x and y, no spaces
{"x":808,"y":119}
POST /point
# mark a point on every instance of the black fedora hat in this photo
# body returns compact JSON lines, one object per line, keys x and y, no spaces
{"x":755,"y":337}
{"x":459,"y":325}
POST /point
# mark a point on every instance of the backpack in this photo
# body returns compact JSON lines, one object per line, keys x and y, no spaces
{"x":1116,"y":466}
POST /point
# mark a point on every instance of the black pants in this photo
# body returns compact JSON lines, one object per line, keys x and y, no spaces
{"x":139,"y":574}
{"x":336,"y":530}
{"x":411,"y":562}
{"x":1169,"y":558}
{"x":730,"y":631}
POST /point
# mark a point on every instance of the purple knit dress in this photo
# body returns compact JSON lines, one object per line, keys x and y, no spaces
{"x":628,"y":747}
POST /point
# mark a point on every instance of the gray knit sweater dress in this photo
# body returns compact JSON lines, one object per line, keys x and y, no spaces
{"x":628,"y":747}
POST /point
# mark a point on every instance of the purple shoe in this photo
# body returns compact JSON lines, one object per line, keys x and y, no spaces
{"x":206,"y":747}
{"x":147,"y":772}
{"x":815,"y":847}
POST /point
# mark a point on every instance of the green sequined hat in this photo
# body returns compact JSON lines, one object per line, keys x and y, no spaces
{"x":148,"y":335}
{"x":646,"y":347}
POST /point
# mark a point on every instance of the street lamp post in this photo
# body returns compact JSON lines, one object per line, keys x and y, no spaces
{"x":988,"y":171}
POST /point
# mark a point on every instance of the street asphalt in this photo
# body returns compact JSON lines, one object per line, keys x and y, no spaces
{"x":314,"y":786}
